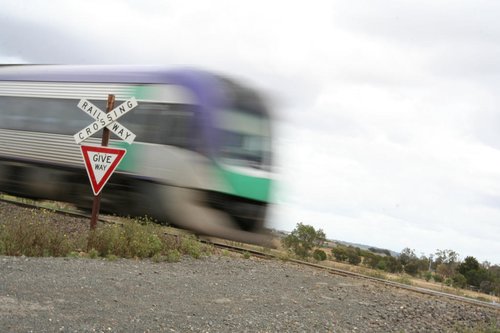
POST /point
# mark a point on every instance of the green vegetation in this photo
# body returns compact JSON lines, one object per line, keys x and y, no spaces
{"x":31,"y":236}
{"x":444,"y":266}
{"x":492,"y":327}
{"x":303,"y":239}
{"x":349,"y":254}
{"x":404,"y":280}
{"x":319,"y":255}
{"x":41,"y":234}
{"x":34,"y":238}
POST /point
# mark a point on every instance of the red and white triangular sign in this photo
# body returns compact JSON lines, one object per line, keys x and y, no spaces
{"x":100,"y":163}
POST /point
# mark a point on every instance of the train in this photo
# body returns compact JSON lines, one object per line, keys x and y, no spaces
{"x":201,"y":160}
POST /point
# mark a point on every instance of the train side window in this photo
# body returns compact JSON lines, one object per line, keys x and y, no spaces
{"x":41,"y":115}
{"x":162,"y":123}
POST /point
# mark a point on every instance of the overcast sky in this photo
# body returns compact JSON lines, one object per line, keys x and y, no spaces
{"x":389,"y":119}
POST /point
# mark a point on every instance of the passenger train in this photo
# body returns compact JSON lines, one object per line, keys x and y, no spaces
{"x":201,"y":159}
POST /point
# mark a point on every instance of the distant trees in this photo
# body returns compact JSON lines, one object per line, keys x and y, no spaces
{"x":303,"y":239}
{"x":348,"y":254}
{"x":481,"y":277}
{"x":445,"y":263}
{"x":444,"y":266}
{"x":392,"y":265}
{"x":409,"y":261}
{"x":381,"y":251}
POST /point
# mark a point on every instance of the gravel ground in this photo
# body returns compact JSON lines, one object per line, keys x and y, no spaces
{"x":214,"y":294}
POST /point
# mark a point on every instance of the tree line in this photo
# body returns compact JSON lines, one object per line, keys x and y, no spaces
{"x":444,"y":266}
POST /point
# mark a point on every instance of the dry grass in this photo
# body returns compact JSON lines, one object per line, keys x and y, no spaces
{"x":41,"y":232}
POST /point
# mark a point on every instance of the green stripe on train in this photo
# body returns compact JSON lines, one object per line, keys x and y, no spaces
{"x":250,"y":187}
{"x":129,"y":161}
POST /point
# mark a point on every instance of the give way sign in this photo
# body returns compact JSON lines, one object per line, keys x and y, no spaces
{"x":100,"y":163}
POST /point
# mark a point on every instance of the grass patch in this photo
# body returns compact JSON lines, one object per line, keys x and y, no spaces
{"x":492,"y":327}
{"x":29,"y":235}
{"x":283,"y":256}
{"x":404,"y":280}
{"x":376,"y":274}
{"x":142,"y":239}
{"x":33,"y":234}
{"x":171,"y":256}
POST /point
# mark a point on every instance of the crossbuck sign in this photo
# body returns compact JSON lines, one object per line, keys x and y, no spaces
{"x":109,"y":120}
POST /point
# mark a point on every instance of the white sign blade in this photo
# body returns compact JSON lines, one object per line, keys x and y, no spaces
{"x":106,"y":120}
{"x":122,"y":132}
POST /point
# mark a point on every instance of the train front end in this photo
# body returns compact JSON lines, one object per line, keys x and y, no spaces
{"x":233,"y":133}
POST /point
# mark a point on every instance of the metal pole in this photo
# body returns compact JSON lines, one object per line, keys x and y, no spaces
{"x":104,"y":142}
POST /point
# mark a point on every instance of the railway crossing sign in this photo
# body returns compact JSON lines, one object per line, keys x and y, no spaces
{"x":100,"y":163}
{"x":108,"y":120}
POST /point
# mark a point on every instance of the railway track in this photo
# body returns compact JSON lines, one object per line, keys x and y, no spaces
{"x":341,"y":272}
{"x":266,"y":254}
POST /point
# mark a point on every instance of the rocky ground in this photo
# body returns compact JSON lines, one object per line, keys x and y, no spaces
{"x":213,"y":294}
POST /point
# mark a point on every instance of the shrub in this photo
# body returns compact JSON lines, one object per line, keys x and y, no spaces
{"x":412,"y":267}
{"x":438,"y":278}
{"x":372,"y":260}
{"x":302,"y":240}
{"x":191,"y":247}
{"x":36,"y":235}
{"x":340,"y":253}
{"x":31,"y":236}
{"x":319,"y":255}
{"x":93,"y":254}
{"x":349,"y":254}
{"x":459,"y":281}
{"x":73,"y":254}
{"x":128,"y":240}
{"x":173,"y":256}
{"x":381,"y":265}
{"x":392,"y":265}
{"x":170,"y":256}
{"x":353,"y":258}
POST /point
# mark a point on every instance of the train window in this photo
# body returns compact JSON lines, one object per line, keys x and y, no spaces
{"x":244,"y":138}
{"x":34,"y":114}
{"x":161,"y":123}
{"x":152,"y":122}
{"x":41,"y":115}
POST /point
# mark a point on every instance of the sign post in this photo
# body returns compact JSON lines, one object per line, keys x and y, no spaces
{"x":100,"y":162}
{"x":96,"y":205}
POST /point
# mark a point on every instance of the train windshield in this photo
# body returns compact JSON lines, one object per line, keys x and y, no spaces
{"x":244,"y":138}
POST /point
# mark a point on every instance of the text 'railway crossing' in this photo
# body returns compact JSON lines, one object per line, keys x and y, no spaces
{"x":108,"y":120}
